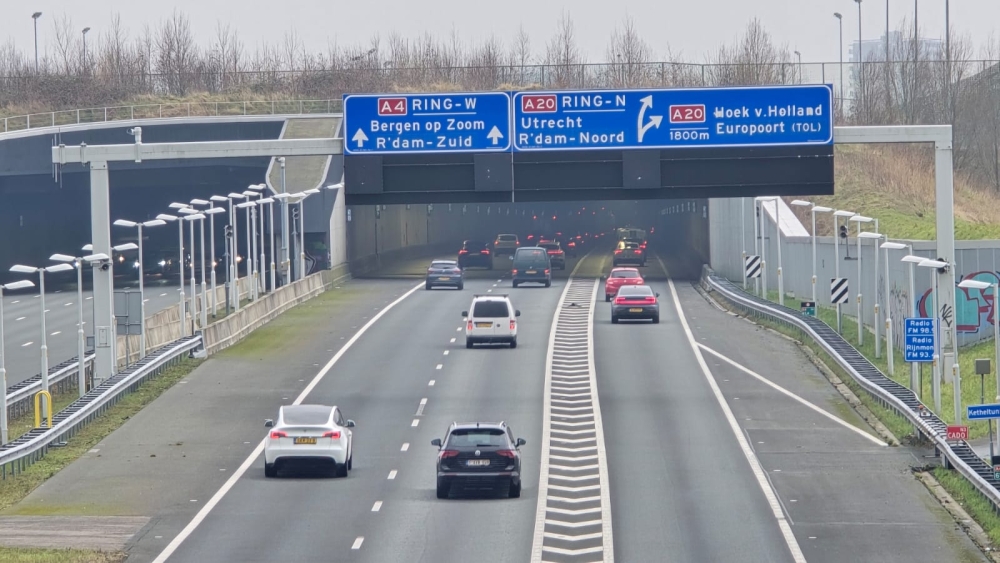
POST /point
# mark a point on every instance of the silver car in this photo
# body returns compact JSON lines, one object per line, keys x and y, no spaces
{"x":636,"y":302}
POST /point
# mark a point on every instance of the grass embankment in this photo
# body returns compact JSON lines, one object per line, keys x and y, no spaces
{"x":896,"y":185}
{"x":31,"y":555}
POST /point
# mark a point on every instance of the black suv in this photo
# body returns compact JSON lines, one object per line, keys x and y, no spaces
{"x":480,"y":455}
{"x":475,"y":253}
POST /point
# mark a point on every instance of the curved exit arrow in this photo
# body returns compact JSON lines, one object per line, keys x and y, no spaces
{"x":654,"y":120}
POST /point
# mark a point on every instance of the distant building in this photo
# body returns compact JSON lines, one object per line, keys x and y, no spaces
{"x":899,"y":46}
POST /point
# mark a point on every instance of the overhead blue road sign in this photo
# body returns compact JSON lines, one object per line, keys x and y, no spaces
{"x":918,"y":340}
{"x":678,"y":118}
{"x":982,"y":412}
{"x":426,"y":123}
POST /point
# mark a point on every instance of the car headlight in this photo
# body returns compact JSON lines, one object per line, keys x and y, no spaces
{"x":135,"y":265}
{"x":163,"y":263}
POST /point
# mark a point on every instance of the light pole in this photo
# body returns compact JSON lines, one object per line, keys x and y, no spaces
{"x":302,"y":231}
{"x":743,"y":239}
{"x":252,"y":265}
{"x":981,"y":285}
{"x":180,"y":264}
{"x":938,"y":368}
{"x":836,"y":252}
{"x":234,"y":250}
{"x":212,"y":212}
{"x":85,"y":30}
{"x":203,"y":318}
{"x":142,"y":309}
{"x":875,"y":237}
{"x":3,"y":370}
{"x":840,"y":24}
{"x":286,"y":269}
{"x":814,"y":209}
{"x":18,"y":268}
{"x":798,"y":55}
{"x":911,"y":260}
{"x":861,"y":62}
{"x":859,"y":219}
{"x":259,"y":262}
{"x":35,"y":17}
{"x":248,"y":205}
{"x":204,"y":285}
{"x":889,"y":348}
{"x":268,"y":201}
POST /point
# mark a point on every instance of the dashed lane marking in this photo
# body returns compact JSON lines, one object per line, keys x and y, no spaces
{"x":392,"y":475}
{"x":357,"y":542}
{"x":377,"y":506}
{"x":430,"y":383}
{"x":406,"y":446}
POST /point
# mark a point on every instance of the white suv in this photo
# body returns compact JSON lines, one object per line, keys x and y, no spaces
{"x":491,"y":318}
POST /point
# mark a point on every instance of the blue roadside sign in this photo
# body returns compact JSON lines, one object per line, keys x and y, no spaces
{"x":918,"y":339}
{"x":675,"y":118}
{"x":982,"y":412}
{"x":426,"y":123}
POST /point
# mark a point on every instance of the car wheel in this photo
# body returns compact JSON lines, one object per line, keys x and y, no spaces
{"x":428,"y":286}
{"x":340,"y":470}
{"x":514,"y":284}
{"x":468,"y":343}
{"x":513,"y":343}
{"x":461,"y":286}
{"x":614,"y":320}
{"x":548,"y":283}
{"x":442,"y":490}
{"x":270,"y":470}
{"x":350,"y":461}
{"x":515,"y":490}
{"x":656,"y":320}
{"x":607,"y":297}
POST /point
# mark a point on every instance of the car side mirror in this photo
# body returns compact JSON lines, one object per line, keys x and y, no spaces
{"x":268,"y":423}
{"x":517,"y":313}
{"x":657,"y":294}
{"x":465,"y":313}
{"x":350,"y":423}
{"x":511,"y":258}
{"x":520,"y":442}
{"x":436,"y":442}
{"x":603,"y":277}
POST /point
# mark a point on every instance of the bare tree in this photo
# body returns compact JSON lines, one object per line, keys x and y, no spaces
{"x":563,"y":55}
{"x":628,"y":57}
{"x":66,"y":44}
{"x":753,"y":59}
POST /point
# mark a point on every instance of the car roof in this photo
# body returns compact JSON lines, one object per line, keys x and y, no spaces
{"x":298,"y":414}
{"x":635,"y":289}
{"x":620,"y":269}
{"x":492,"y":297}
{"x":466,"y":425}
{"x":444,"y":261}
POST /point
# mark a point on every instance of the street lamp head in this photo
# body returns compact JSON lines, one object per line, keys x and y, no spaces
{"x":214,"y":210}
{"x":62,"y":258}
{"x":844,"y":213}
{"x":869,"y":235}
{"x":336,"y":186}
{"x":165,"y":217}
{"x":176,"y":205}
{"x":281,"y":196}
{"x":302,"y":195}
{"x":85,"y":30}
{"x":801,"y":202}
{"x":195,"y":217}
{"x":858,"y":1}
{"x":59,"y":268}
{"x":245,"y":204}
{"x":250,"y":193}
{"x":257,"y":187}
{"x":219,"y":198}
{"x":87,"y":247}
{"x":199,"y":202}
{"x":235,"y":195}
{"x":20,"y":269}
{"x":912,"y":258}
{"x":974,"y":284}
{"x":265,"y":200}
{"x":928,"y":263}
{"x":187,"y":211}
{"x":154,"y":223}
{"x":36,"y":15}
{"x":837,"y":15}
{"x":798,"y":54}
{"x":893,"y":245}
{"x":99,"y":257}
{"x":126,"y":246}
{"x":21,"y":284}
{"x":861,"y":219}
{"x":765,"y":198}
{"x":125,"y":223}
{"x":821,"y":209}
{"x":312,"y":191}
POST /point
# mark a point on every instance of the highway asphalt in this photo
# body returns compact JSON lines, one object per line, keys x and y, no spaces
{"x":706,"y":462}
{"x":22,"y":325}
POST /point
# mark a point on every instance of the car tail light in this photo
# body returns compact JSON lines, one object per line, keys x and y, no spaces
{"x":618,"y":251}
{"x":275,"y":434}
{"x":463,"y":251}
{"x":506,"y":453}
{"x":332,"y":434}
{"x":518,"y":243}
{"x":469,"y":326}
{"x":637,"y":251}
{"x":514,"y":272}
{"x":445,"y":454}
{"x":456,"y":270}
{"x":496,"y":242}
{"x":619,"y":300}
{"x":512,"y":324}
{"x":572,"y":244}
{"x":484,"y":251}
{"x":546,"y":271}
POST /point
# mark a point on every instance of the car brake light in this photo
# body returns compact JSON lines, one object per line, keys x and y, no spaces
{"x":619,"y":251}
{"x":456,"y":271}
{"x":514,"y":272}
{"x":512,"y":324}
{"x":332,"y":434}
{"x":445,"y":454}
{"x":619,"y":300}
{"x":650,"y":300}
{"x":275,"y":434}
{"x":469,"y":326}
{"x":637,"y":251}
{"x":546,"y":271}
{"x":463,"y":251}
{"x":506,"y":453}
{"x":484,"y":251}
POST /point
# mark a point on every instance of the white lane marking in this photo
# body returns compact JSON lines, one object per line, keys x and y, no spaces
{"x":392,"y":474}
{"x":459,"y":329}
{"x":377,"y":506}
{"x":489,"y":291}
{"x":161,"y":295}
{"x":446,"y":352}
{"x":453,"y":340}
{"x":89,"y":298}
{"x":357,"y":542}
{"x":758,"y":471}
{"x":26,"y":344}
{"x":415,"y":423}
{"x":423,"y":401}
{"x":145,"y":300}
{"x":20,"y":318}
{"x":47,"y":310}
{"x":56,"y":332}
{"x":494,"y":285}
{"x":406,"y":446}
{"x":439,"y":366}
{"x":231,"y":482}
{"x":67,"y":304}
{"x":788,"y":393}
{"x":420,"y":408}
{"x":430,"y":383}
{"x":15,"y":302}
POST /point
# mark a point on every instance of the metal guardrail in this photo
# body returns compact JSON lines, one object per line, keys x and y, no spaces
{"x":168,"y":110}
{"x":958,"y":455}
{"x":18,"y":454}
{"x":20,"y":394}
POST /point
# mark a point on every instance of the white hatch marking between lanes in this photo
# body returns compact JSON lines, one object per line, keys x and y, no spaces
{"x":89,"y":298}
{"x":231,"y":482}
{"x":430,"y":383}
{"x":406,"y":446}
{"x":446,"y":352}
{"x":26,"y":344}
{"x":415,"y":423}
{"x":392,"y":475}
{"x":161,"y":295}
{"x":15,"y":302}
{"x":439,"y":366}
{"x":377,"y":506}
{"x":56,"y":333}
{"x":67,"y":304}
{"x":758,"y":471}
{"x":459,"y":329}
{"x":791,"y":395}
{"x":423,"y":401}
{"x":357,"y":542}
{"x":20,"y":318}
{"x":453,"y":340}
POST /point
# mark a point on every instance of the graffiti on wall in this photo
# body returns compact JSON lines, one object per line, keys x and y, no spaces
{"x":974,"y":308}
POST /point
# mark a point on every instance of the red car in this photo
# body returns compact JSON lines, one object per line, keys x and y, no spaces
{"x":620,"y":277}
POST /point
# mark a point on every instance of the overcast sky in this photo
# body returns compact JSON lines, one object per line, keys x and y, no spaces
{"x":691,"y":28}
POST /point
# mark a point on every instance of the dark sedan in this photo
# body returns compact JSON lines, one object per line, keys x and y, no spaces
{"x":445,"y":273}
{"x":475,"y":253}
{"x":635,"y":302}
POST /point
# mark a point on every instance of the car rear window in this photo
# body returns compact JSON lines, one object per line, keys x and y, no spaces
{"x":529,"y":253}
{"x":640,"y":290}
{"x":306,"y":414}
{"x":472,"y":437}
{"x":443,"y":264}
{"x":549,"y":246}
{"x":507,"y":238}
{"x":474,"y":245}
{"x":490,"y":309}
{"x":625,"y":274}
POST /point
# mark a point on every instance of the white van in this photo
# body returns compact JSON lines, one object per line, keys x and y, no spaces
{"x":491,"y":318}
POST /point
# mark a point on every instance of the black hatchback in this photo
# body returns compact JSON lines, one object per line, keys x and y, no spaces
{"x":475,"y":253}
{"x":479,"y":455}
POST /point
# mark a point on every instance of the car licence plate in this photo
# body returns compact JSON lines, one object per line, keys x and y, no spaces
{"x":635,"y":310}
{"x":484,"y":325}
{"x":444,"y":278}
{"x":478,"y":462}
{"x":303,"y":440}
{"x":532,"y":272}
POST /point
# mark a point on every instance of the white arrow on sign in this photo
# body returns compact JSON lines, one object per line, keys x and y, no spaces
{"x":495,"y":134}
{"x":360,"y":138}
{"x":654,"y":120}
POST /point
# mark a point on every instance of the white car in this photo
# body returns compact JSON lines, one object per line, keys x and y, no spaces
{"x":491,"y":318}
{"x":309,"y":433}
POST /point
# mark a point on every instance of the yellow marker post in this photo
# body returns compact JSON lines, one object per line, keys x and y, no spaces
{"x":48,"y":408}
